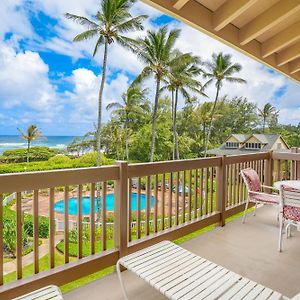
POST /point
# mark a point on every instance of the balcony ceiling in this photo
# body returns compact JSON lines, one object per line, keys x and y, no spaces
{"x":268,"y":31}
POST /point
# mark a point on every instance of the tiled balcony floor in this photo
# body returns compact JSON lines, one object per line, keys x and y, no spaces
{"x":248,"y":249}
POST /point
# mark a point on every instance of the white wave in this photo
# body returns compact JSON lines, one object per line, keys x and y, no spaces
{"x":61,"y":146}
{"x":12,"y":144}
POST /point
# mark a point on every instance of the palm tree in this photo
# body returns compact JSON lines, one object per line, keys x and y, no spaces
{"x":182,"y":80}
{"x":266,"y":113}
{"x":32,"y":133}
{"x":220,"y":69}
{"x":131,"y":105}
{"x":156,"y":52}
{"x":111,"y":22}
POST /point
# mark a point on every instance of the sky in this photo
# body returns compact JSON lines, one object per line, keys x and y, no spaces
{"x":47,"y":79}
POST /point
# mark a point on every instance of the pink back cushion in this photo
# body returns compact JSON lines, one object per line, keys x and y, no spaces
{"x":252,"y":179}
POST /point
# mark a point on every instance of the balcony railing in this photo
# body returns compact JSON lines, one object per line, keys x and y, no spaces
{"x":173,"y":198}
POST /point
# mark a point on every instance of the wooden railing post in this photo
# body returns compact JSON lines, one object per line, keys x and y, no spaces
{"x":294,"y":165}
{"x":121,"y":209}
{"x":221,"y":190}
{"x":269,"y":171}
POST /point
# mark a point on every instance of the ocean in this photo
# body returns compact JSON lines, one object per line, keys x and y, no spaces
{"x":8,"y":142}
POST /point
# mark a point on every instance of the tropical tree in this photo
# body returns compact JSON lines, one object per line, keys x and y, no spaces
{"x":219,"y":70}
{"x":266,"y":113}
{"x":182,"y":79}
{"x":32,"y":133}
{"x":110,"y":25}
{"x":132,"y":105}
{"x":156,"y":51}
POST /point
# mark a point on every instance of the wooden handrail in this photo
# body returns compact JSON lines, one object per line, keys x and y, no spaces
{"x":147,"y":169}
{"x":286,"y":156}
{"x":47,"y":179}
{"x":233,"y":159}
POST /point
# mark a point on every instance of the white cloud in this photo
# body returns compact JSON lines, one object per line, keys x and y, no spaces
{"x":26,"y":94}
{"x":84,"y":97}
{"x":14,"y":18}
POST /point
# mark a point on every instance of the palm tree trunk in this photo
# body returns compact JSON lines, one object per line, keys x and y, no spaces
{"x":175,"y":136}
{"x":154,"y":119}
{"x":211,"y":120}
{"x":99,"y":126}
{"x":174,"y":140}
{"x":126,"y":141}
{"x":28,"y":149}
{"x":100,"y":104}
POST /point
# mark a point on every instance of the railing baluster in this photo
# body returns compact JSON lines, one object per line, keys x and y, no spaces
{"x":36,"y":230}
{"x":195,"y":193}
{"x":211,"y":189}
{"x":234,"y":185}
{"x":138,"y":209}
{"x":206,"y":190}
{"x":79,"y":222}
{"x":19,"y":235}
{"x":155,"y":201}
{"x":1,"y":239}
{"x":51,"y":230}
{"x":177,"y":198}
{"x":170,"y":199}
{"x":190,"y":196}
{"x":66,"y":221}
{"x":148,"y":206}
{"x":240,"y":184}
{"x":129,"y":209}
{"x":92,"y":218}
{"x":103,"y":216}
{"x":201,"y":192}
{"x":183,"y":196}
{"x":163,"y":186}
{"x":230,"y":185}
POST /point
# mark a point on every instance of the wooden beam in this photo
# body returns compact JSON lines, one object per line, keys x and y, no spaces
{"x":288,"y":54}
{"x":180,"y":4}
{"x":294,"y":66}
{"x":229,"y":11}
{"x":265,"y":21}
{"x":198,"y":16}
{"x":281,"y":40}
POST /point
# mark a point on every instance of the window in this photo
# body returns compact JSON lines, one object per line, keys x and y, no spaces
{"x":232,"y":145}
{"x":253,"y":146}
{"x":279,"y":146}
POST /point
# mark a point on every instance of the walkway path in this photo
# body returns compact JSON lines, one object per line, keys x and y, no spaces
{"x":28,"y":259}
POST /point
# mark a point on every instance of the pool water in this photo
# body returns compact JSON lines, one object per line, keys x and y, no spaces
{"x":86,"y":208}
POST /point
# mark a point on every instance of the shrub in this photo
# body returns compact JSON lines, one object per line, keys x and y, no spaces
{"x":36,"y":154}
{"x":10,"y":216}
{"x":9,"y":236}
{"x":43,"y":226}
{"x":60,"y":159}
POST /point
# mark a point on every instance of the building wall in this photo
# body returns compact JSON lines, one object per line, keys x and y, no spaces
{"x":280,"y":142}
{"x":232,"y":139}
{"x":253,"y":140}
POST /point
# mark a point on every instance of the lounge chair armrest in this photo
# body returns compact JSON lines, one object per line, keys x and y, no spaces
{"x":269,"y":187}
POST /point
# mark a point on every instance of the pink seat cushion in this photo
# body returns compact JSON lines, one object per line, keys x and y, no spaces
{"x":291,"y":213}
{"x":265,"y":198}
{"x":252,"y":179}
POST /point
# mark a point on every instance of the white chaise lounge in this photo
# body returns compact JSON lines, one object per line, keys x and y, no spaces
{"x":179,"y":274}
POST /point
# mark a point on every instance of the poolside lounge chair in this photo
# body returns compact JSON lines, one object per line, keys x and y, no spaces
{"x":255,"y":194}
{"x":289,"y":211}
{"x":48,"y":292}
{"x":179,"y":274}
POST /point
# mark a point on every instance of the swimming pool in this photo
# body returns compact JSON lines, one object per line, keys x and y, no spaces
{"x":86,"y":208}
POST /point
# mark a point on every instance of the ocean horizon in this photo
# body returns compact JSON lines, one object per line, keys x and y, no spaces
{"x":9,"y":142}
